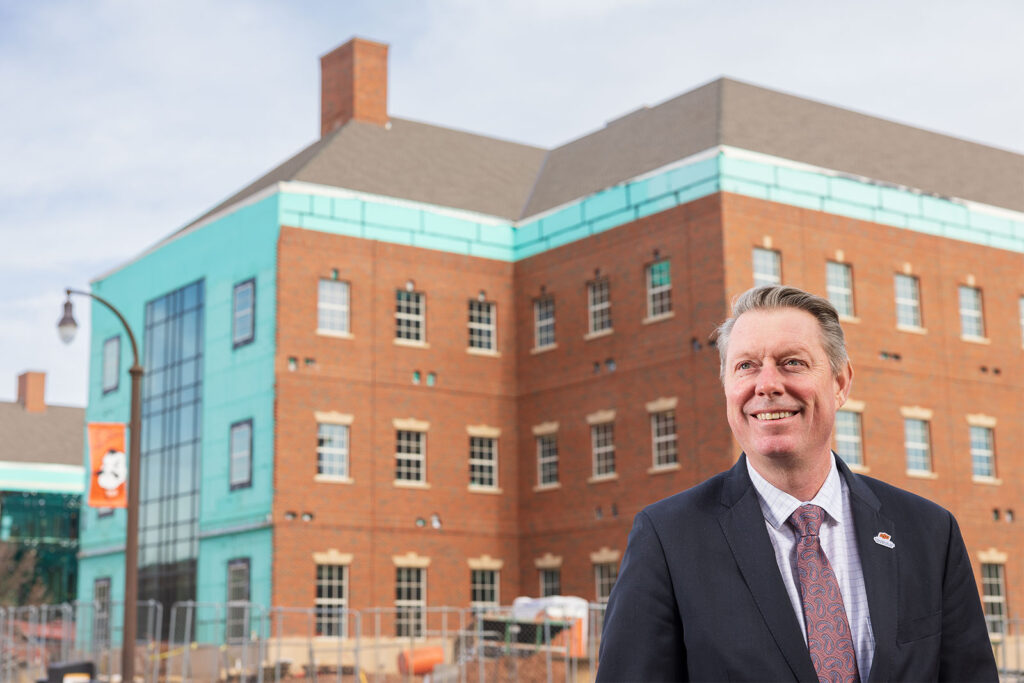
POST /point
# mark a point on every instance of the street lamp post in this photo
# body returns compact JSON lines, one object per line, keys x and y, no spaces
{"x":67,"y":328}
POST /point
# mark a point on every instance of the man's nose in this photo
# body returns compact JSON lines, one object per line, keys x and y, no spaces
{"x":769,"y":381}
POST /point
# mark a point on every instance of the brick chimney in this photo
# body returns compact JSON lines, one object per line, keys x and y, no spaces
{"x":354,"y":85}
{"x":31,"y":391}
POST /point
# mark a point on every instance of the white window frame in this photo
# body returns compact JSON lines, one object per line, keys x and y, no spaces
{"x":483,"y":462}
{"x":410,"y":610}
{"x":236,"y":622}
{"x":550,"y":581}
{"x":659,"y":296}
{"x":918,"y":445}
{"x":850,"y":443}
{"x":664,"y":443}
{"x":599,"y":306}
{"x":544,"y":322}
{"x":983,"y":456}
{"x":972,"y":317}
{"x":547,"y":460}
{"x":111,"y":363}
{"x":908,"y":300}
{"x":411,"y":463}
{"x":243,"y":321}
{"x":602,"y":446}
{"x":993,"y":598}
{"x":839,"y":286}
{"x":331,"y":602}
{"x":484,"y":588}
{"x":334,"y":307}
{"x":410,"y":317}
{"x":767,"y":266}
{"x":483,"y":325}
{"x":101,"y":610}
{"x":605,"y":575}
{"x":332,"y":452}
{"x":240,"y":440}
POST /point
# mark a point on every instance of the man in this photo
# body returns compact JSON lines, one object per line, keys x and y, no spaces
{"x":788,"y":566}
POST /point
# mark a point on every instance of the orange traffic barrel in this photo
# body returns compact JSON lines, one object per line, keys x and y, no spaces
{"x":421,"y":660}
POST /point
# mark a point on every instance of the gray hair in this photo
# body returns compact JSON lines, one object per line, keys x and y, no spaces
{"x":773,"y":297}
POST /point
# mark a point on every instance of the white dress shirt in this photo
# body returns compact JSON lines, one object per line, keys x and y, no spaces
{"x":838,"y":541}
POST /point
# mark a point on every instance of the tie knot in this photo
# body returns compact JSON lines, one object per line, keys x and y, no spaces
{"x":807,"y":519}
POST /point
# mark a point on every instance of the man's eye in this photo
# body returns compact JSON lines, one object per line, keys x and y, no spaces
{"x":745,"y":365}
{"x":794,"y":361}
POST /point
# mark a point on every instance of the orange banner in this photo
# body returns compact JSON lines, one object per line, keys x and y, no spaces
{"x":108,"y":473}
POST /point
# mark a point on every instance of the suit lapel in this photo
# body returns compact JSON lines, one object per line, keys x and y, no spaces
{"x":879,"y":565}
{"x":743,"y":524}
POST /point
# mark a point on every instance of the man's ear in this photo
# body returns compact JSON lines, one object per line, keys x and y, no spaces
{"x":844,"y":382}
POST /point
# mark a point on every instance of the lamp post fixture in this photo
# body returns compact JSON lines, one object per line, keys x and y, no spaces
{"x":67,"y":327}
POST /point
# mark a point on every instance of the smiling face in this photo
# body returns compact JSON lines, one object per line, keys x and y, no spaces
{"x":781,"y":395}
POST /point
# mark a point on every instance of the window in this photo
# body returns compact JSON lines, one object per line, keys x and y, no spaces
{"x":410,"y":316}
{"x":550,"y":582}
{"x":331,"y":599}
{"x":993,"y":598}
{"x":111,"y":363}
{"x":547,"y":460}
{"x":332,"y":450}
{"x":410,"y":599}
{"x":101,"y":611}
{"x":482,"y":325}
{"x":767,"y":267}
{"x":483,"y":588}
{"x":605,"y":574}
{"x":602,"y":439}
{"x":332,"y":307}
{"x":908,"y":301}
{"x":848,"y":437}
{"x":971,"y":322}
{"x":839,"y":285}
{"x":659,"y":289}
{"x":237,"y":626}
{"x":241,"y":454}
{"x":544,"y":322}
{"x":982,"y":455}
{"x":243,"y":329}
{"x":599,"y":305}
{"x":483,"y":462}
{"x":410,"y":458}
{"x":916,"y":441}
{"x":663,"y":438}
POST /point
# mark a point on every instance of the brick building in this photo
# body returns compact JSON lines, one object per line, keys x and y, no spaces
{"x":413,"y":366}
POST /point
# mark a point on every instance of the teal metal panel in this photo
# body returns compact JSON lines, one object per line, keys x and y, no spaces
{"x":568,"y":217}
{"x":390,"y":216}
{"x":613,"y":220}
{"x":695,"y":174}
{"x":605,"y":202}
{"x":454,"y":246}
{"x":525,"y":234}
{"x":394,"y":235}
{"x":448,"y":226}
{"x":656,"y":206}
{"x":335,"y":226}
{"x":500,"y":235}
{"x":802,"y":181}
{"x":492,"y":251}
{"x":846,"y":209}
{"x":214,"y":555}
{"x":347,"y":209}
{"x":531,"y":249}
{"x":901,"y":201}
{"x":1018,"y":230}
{"x":744,"y":169}
{"x":854,"y":192}
{"x":802,"y":199}
{"x":994,"y":224}
{"x":744,"y":187}
{"x":958,"y":232}
{"x":1010,"y":243}
{"x":924,"y":225}
{"x":299,"y":203}
{"x":702,"y":189}
{"x":322,"y":206}
{"x":943,"y":210}
{"x":567,"y":236}
{"x":110,"y":566}
{"x":42,"y":478}
{"x":293,"y":218}
{"x":898,"y":220}
{"x":636,"y":192}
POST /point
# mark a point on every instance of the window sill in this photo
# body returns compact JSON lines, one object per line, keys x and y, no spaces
{"x":603,"y":478}
{"x":597,"y":335}
{"x":333,"y":479}
{"x":651,"y":319}
{"x":543,"y":349}
{"x":849,"y":319}
{"x":492,"y":490}
{"x":922,"y":474}
{"x":547,"y":487}
{"x":491,"y":353}
{"x":970,"y":338}
{"x":412,"y":343}
{"x":913,"y":329}
{"x":405,"y":484}
{"x":335,"y":333}
{"x":662,"y":469}
{"x":859,"y":469}
{"x":982,"y":479}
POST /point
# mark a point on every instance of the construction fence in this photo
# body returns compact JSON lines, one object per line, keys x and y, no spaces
{"x":242,"y":641}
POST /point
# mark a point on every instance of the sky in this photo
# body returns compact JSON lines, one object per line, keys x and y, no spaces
{"x":121,"y":121}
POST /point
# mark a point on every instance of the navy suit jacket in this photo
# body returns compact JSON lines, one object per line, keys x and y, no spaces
{"x":699,"y":595}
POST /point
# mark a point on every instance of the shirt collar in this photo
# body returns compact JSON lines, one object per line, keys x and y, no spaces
{"x":777,"y":505}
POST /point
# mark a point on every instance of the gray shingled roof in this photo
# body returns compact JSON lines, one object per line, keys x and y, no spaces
{"x":54,"y":436}
{"x":445,"y":167}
